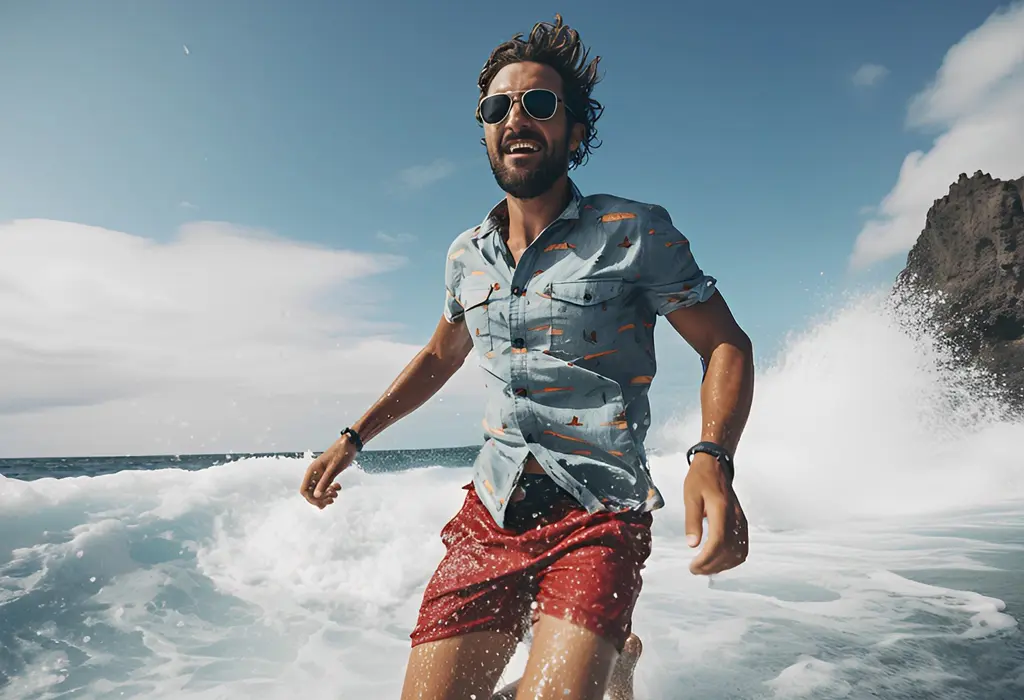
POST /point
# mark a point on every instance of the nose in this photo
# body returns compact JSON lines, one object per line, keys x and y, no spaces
{"x":517,"y":116}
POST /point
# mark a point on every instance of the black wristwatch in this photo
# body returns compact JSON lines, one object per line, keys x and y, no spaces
{"x":353,"y":436}
{"x":716,"y":451}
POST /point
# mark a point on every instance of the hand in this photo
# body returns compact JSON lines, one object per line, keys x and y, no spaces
{"x":317,"y":484}
{"x":706,"y":493}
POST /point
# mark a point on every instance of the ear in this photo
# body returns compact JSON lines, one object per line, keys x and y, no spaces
{"x":576,"y":136}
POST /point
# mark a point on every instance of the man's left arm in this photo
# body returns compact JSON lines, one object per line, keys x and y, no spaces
{"x":727,"y":391}
{"x":675,"y":287}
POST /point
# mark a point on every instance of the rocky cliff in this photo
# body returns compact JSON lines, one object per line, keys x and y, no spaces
{"x":972,"y":252}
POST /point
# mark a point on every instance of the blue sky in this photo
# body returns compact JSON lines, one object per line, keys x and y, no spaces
{"x":348,"y":126}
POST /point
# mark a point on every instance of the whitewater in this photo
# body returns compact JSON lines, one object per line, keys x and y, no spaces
{"x":883,"y":484}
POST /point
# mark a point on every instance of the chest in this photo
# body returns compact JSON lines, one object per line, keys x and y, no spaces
{"x":572,"y":300}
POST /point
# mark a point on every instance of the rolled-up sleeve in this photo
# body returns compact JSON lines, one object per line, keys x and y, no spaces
{"x":453,"y":311}
{"x":670,"y":278}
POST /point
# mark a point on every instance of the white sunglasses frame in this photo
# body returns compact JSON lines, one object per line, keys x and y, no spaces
{"x":512,"y":101}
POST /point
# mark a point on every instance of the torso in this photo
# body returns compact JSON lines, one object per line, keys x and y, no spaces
{"x":563,"y":330}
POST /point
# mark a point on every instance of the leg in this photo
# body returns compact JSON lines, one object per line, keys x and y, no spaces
{"x":567,"y":662}
{"x":474,"y":611}
{"x":621,"y":685}
{"x":458,"y":667}
{"x":586,"y":593}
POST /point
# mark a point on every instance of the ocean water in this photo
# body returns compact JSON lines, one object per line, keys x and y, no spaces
{"x":883,"y":483}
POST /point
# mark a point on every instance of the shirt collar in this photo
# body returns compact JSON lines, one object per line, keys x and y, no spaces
{"x":499,"y":212}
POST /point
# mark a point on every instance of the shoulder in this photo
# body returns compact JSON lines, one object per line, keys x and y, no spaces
{"x":462,"y":258}
{"x":462,"y":243}
{"x":644,"y":224}
{"x":612,"y":209}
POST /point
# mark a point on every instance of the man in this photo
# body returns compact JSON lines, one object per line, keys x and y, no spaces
{"x":558,"y":294}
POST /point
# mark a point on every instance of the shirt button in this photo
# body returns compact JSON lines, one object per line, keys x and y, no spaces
{"x":516,"y":291}
{"x":519,"y":343}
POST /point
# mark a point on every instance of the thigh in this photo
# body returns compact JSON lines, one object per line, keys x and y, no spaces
{"x":595,"y":582}
{"x":481,"y":585}
{"x":457,"y":667}
{"x":566,"y":661}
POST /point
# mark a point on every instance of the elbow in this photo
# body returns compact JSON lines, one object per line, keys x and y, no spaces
{"x":745,"y":348}
{"x":741,"y":341}
{"x":736,"y":340}
{"x":733,"y":347}
{"x":448,"y":359}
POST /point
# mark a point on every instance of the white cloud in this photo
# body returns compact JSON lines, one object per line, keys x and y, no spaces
{"x":976,"y":101}
{"x":869,"y":75}
{"x":221,"y":339}
{"x":417,"y":177}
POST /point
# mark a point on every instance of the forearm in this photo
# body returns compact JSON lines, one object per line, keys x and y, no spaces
{"x":419,"y":381}
{"x":727,"y":393}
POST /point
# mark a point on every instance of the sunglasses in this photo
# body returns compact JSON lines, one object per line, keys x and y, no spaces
{"x":538,"y":103}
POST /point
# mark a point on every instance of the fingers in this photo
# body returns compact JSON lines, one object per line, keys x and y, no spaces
{"x":326,"y":498}
{"x":333,"y":462}
{"x":330,"y":471}
{"x":693,"y":501}
{"x":316,"y":487}
{"x":309,"y":480}
{"x":727,"y":543}
{"x":714,"y":507}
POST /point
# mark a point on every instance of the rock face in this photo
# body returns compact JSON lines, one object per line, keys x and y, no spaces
{"x":972,"y":251}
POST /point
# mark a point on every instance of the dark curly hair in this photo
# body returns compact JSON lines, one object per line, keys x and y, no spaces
{"x":558,"y":46}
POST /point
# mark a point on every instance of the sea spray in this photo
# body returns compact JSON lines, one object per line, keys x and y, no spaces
{"x":882,"y":486}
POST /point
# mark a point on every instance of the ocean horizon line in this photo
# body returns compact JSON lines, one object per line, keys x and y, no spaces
{"x":228,"y":453}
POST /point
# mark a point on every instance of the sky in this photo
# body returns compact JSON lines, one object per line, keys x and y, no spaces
{"x":223,"y":225}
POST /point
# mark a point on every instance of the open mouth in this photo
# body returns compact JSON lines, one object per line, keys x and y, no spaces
{"x":520,"y":147}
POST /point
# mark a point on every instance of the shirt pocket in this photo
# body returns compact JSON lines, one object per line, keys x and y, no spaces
{"x":584,"y":317}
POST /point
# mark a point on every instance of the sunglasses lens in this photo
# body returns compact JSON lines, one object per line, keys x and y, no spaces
{"x":541,"y":104}
{"x":494,"y":108}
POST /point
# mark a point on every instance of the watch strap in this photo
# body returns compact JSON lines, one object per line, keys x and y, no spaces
{"x":353,"y":436}
{"x":716,"y":451}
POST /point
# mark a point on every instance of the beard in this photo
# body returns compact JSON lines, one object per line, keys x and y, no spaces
{"x":530,"y":182}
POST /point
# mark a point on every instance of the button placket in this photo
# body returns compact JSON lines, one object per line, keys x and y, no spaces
{"x":518,"y":361}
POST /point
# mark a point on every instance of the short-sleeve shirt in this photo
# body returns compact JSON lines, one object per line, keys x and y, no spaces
{"x":565,"y":339}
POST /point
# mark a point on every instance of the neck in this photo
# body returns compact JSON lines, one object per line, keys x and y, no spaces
{"x":528,"y":217}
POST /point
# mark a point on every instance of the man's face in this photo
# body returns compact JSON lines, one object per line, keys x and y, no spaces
{"x":525,"y":175}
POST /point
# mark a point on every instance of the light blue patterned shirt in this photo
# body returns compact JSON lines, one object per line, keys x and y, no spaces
{"x":566,"y":342}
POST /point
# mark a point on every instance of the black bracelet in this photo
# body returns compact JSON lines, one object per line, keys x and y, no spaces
{"x":716,"y":451}
{"x":354,"y":437}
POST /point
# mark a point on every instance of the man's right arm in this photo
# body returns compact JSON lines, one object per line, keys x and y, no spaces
{"x":423,"y":377}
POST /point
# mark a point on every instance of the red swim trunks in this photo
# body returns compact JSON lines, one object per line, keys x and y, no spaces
{"x":581,"y":567}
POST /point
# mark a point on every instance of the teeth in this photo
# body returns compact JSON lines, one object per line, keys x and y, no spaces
{"x":523,"y":146}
